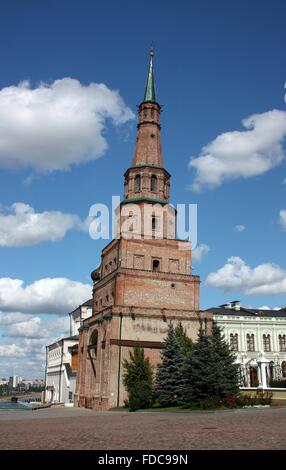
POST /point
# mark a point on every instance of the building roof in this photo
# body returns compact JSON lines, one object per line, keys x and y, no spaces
{"x":248,"y":312}
{"x":88,"y":303}
{"x":72,"y":338}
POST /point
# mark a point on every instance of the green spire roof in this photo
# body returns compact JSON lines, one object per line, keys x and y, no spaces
{"x":150,"y":94}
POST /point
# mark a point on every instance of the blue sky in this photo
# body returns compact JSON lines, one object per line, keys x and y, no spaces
{"x":216,"y":63}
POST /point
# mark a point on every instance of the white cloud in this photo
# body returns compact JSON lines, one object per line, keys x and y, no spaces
{"x":283,"y":218}
{"x":25,"y":227}
{"x":13,"y":317}
{"x":54,"y":126}
{"x":48,"y":295}
{"x":264,"y":279}
{"x":37,"y":328}
{"x":265,"y":307}
{"x":11,"y":350}
{"x":242,"y":154}
{"x":239,"y":228}
{"x":24,"y":342}
{"x":199,"y":252}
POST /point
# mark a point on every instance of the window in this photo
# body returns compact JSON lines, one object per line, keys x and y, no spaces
{"x":250,"y":342}
{"x":154,"y":184}
{"x":282,"y":343}
{"x":234,"y":341}
{"x":155,"y":265}
{"x":266,"y":343}
{"x":283,"y":367}
{"x":137,"y":185}
{"x":155,"y":222}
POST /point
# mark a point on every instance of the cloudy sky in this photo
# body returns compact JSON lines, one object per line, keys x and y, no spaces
{"x":71,"y":76}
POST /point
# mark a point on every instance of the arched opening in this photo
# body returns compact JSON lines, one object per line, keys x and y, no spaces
{"x":253,"y":376}
{"x":137,"y":184}
{"x":92,"y":350}
{"x":154,"y":183}
{"x":156,"y":265}
{"x":283,"y":367}
{"x":93,"y":344}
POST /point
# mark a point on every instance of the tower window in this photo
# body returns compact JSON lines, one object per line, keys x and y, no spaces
{"x":155,"y":222}
{"x":155,"y":265}
{"x":137,"y":185}
{"x":154,"y":184}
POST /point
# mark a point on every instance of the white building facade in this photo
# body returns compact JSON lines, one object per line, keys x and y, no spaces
{"x":60,"y":376}
{"x":61,"y":360}
{"x":258,"y":337}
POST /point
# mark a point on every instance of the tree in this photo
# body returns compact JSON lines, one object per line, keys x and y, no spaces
{"x":210,"y":370}
{"x":169,"y":377}
{"x":227,"y":369}
{"x":185,"y":342}
{"x":138,"y":379}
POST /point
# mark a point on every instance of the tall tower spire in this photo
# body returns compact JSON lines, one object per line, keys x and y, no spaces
{"x":147,"y":178}
{"x":148,"y":142}
{"x":150,"y":94}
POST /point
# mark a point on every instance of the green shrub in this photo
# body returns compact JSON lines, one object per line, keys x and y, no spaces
{"x":239,"y":401}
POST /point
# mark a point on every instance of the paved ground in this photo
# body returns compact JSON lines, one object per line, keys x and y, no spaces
{"x":72,"y":428}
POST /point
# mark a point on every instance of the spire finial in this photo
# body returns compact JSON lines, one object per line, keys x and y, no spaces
{"x":150,"y":94}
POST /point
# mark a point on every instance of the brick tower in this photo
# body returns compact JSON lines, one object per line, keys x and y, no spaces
{"x":144,"y":279}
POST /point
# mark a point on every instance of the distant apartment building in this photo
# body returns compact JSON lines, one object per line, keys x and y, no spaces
{"x":13,"y":381}
{"x":62,"y":360}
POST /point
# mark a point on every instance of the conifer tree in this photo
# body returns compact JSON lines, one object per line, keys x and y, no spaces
{"x":169,"y":378}
{"x":210,"y":371}
{"x":185,"y":342}
{"x":138,"y":379}
{"x":227,"y":369}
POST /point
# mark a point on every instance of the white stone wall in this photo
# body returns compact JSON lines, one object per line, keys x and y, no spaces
{"x":242,"y":325}
{"x":58,"y":357}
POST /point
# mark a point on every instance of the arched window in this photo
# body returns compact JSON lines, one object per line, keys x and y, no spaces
{"x":155,"y":265}
{"x":266,"y":343}
{"x":283,"y":367}
{"x":234,"y":341}
{"x":154,"y":183}
{"x":250,"y":342}
{"x":282,"y":343}
{"x":137,"y":184}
